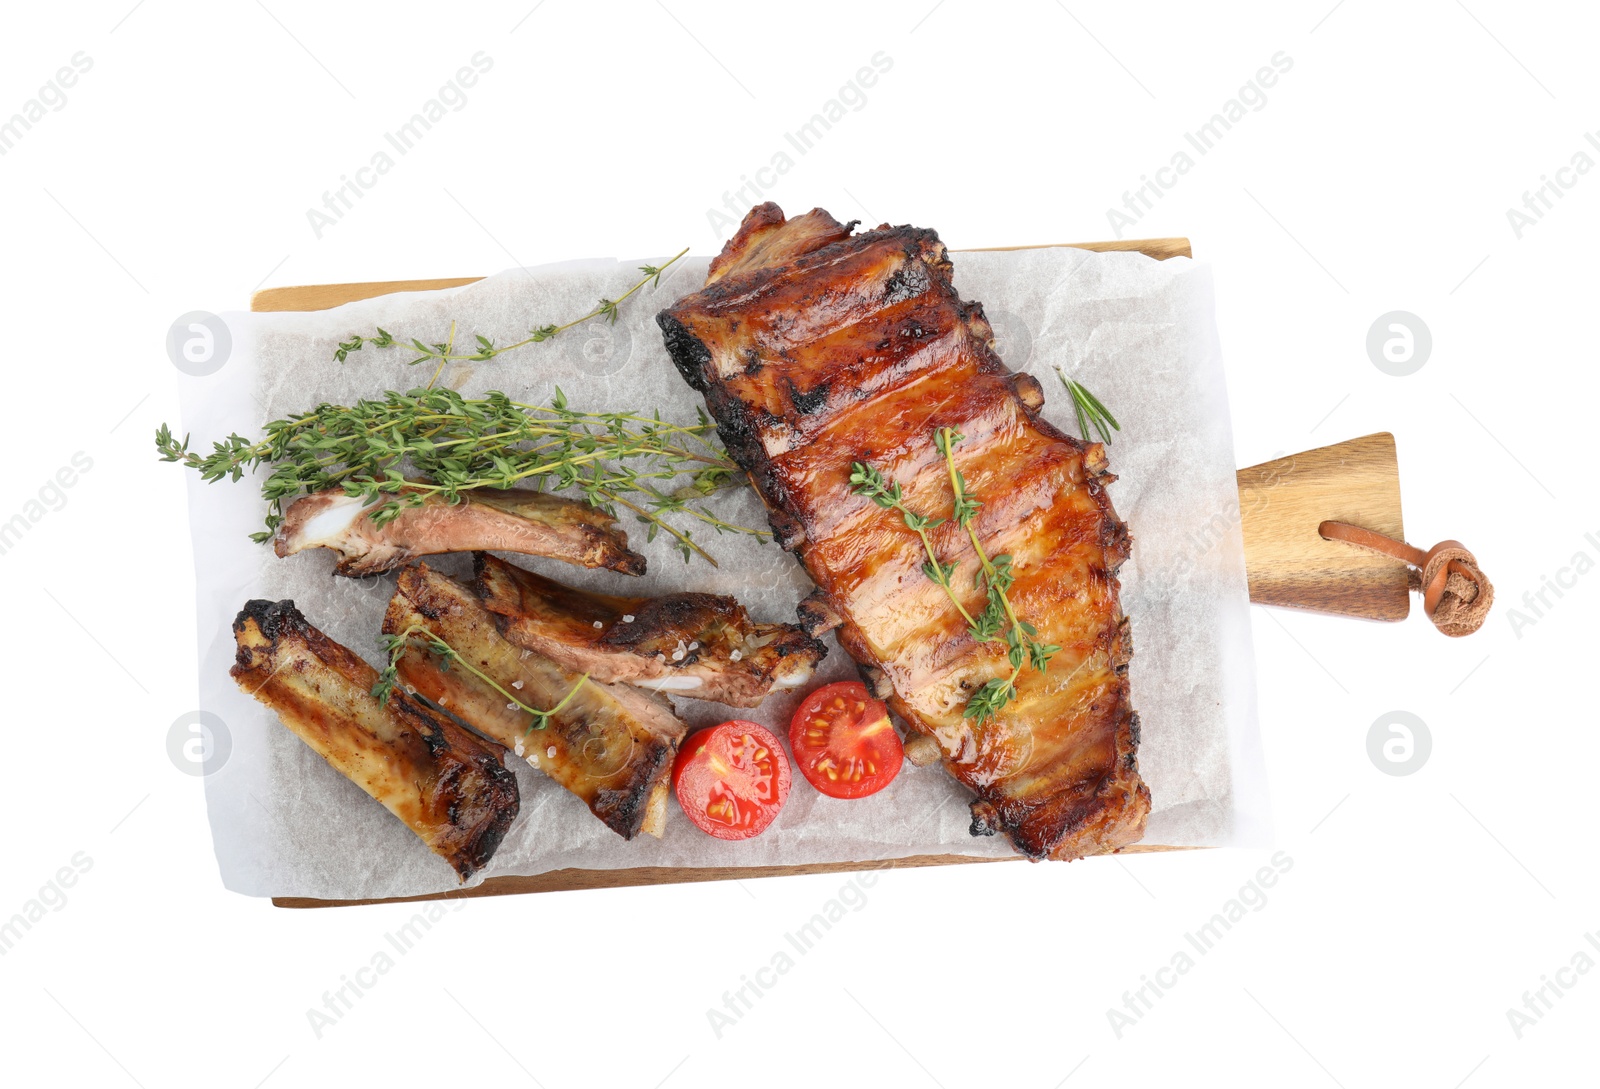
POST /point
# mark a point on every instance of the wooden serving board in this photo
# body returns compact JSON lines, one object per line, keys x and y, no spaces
{"x":1281,"y":503}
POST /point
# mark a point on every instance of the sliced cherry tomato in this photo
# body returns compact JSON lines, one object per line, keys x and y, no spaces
{"x":843,"y":741}
{"x":732,"y":779}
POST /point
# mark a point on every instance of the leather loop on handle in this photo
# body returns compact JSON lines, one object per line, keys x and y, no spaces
{"x":1456,"y":594}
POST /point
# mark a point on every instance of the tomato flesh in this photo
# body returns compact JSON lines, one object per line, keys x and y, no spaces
{"x":732,"y":779}
{"x":843,"y":741}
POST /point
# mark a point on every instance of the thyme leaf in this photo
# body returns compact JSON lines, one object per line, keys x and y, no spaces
{"x":998,"y":622}
{"x":395,"y":646}
{"x":393,"y":452}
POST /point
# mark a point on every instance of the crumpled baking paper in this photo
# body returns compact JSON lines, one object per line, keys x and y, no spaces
{"x":1138,"y":332}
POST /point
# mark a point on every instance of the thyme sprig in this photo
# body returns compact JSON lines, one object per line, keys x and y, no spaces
{"x":1089,"y":410}
{"x":484,"y":348}
{"x":998,"y":622}
{"x":998,"y":618}
{"x":396,"y":451}
{"x":395,"y":646}
{"x":870,"y":482}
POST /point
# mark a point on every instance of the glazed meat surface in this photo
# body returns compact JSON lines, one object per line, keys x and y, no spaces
{"x":703,"y":646}
{"x":448,"y":786}
{"x":816,"y":348}
{"x":512,"y":520}
{"x":611,"y":745}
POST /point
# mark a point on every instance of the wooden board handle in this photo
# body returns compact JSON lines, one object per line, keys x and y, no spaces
{"x":1282,"y":502}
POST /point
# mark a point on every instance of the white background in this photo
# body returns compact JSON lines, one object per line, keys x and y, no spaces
{"x":1418,"y":909}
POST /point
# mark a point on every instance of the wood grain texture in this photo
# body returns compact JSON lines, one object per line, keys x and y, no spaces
{"x":1159,"y":248}
{"x":328,"y":296}
{"x":570,"y":880}
{"x":1281,"y":504}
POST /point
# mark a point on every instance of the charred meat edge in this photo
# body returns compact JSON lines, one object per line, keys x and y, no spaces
{"x":447,"y":785}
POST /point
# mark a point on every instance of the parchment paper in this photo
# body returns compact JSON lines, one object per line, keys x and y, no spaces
{"x":1138,"y":332}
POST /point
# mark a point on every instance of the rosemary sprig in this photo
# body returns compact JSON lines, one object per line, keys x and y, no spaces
{"x":485,"y":349}
{"x":998,"y":622}
{"x":396,"y":451}
{"x":1089,"y":410}
{"x":395,"y":646}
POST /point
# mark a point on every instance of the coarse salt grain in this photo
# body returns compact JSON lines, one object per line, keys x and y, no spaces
{"x":736,"y":655}
{"x":677,"y":655}
{"x":627,"y":618}
{"x":598,"y":624}
{"x":517,"y":685}
{"x":511,"y":707}
{"x":551,"y":752}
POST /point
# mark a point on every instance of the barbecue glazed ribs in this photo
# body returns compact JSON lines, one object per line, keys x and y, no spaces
{"x":816,"y":348}
{"x":447,"y":785}
{"x":702,"y":646}
{"x":510,"y":520}
{"x":611,"y":745}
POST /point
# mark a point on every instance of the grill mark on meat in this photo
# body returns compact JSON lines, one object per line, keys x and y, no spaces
{"x":807,"y":403}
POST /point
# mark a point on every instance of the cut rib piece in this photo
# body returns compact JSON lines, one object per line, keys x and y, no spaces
{"x":513,"y":520}
{"x":815,"y":349}
{"x":611,"y":745}
{"x":703,"y":646}
{"x":446,"y":784}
